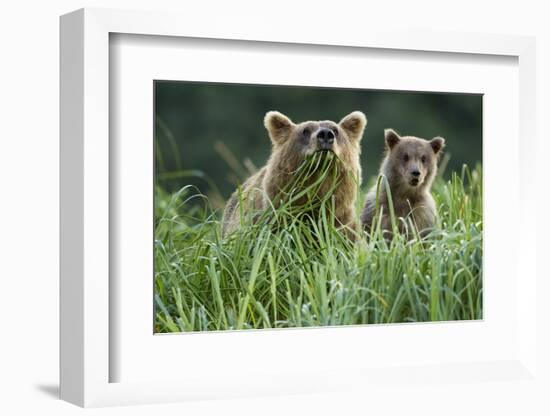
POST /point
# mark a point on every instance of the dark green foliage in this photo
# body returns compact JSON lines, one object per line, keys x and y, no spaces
{"x":213,"y":128}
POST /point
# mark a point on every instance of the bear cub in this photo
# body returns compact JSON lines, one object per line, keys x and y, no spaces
{"x":291,"y":145}
{"x":410,"y":166}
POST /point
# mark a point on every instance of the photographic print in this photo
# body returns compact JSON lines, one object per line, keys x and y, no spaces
{"x":290,"y":207}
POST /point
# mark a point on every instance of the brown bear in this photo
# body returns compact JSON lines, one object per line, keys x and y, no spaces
{"x":291,"y":145}
{"x":410,"y":166}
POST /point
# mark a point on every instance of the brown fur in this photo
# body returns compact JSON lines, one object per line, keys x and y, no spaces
{"x":291,"y":143}
{"x":415,"y":202}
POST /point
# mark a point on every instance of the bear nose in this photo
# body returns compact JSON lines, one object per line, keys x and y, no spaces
{"x":325,"y":136}
{"x":415,"y":173}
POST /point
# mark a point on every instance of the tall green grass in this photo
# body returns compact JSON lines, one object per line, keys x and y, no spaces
{"x":286,"y":270}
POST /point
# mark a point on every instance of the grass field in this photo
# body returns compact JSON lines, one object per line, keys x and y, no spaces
{"x":303,"y":272}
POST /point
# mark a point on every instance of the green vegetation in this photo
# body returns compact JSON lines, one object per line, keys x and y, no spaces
{"x":282,"y":270}
{"x":198,"y":124}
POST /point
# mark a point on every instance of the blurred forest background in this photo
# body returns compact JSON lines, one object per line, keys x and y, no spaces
{"x":211,"y":135}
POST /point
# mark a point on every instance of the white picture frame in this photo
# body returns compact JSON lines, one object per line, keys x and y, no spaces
{"x":86,"y":352}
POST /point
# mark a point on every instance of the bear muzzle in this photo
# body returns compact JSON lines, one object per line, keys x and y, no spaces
{"x":325,"y":139}
{"x":415,"y":177}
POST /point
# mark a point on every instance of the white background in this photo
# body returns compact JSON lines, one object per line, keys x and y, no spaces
{"x":29,"y":183}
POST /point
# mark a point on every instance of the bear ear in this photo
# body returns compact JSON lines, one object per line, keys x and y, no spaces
{"x":278,"y":126}
{"x":437,"y":144}
{"x":354,"y":124}
{"x":391,"y":137}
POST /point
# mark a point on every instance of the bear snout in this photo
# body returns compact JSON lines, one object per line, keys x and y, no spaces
{"x":325,"y":138}
{"x":415,"y":177}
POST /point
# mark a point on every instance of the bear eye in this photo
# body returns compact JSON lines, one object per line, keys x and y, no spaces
{"x":423,"y":159}
{"x":306,"y":132}
{"x":406,"y":157}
